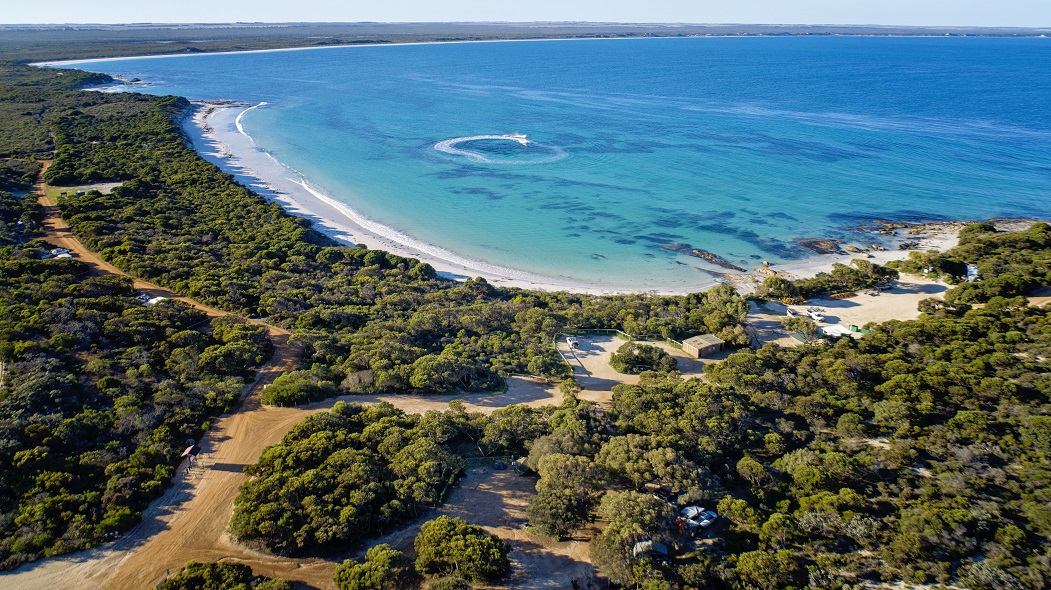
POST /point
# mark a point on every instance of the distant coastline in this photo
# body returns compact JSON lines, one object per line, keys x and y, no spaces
{"x":72,"y":44}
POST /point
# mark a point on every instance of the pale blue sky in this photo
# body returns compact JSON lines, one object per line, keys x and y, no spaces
{"x":1017,"y":13}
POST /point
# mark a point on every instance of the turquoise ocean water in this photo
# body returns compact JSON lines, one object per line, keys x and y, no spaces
{"x":738,"y":146}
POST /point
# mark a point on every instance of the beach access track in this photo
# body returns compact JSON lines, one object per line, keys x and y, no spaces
{"x":189,"y":521}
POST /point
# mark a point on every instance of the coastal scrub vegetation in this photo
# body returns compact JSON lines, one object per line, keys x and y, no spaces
{"x":100,"y":394}
{"x":1008,"y":263}
{"x":635,"y":357}
{"x":451,"y":546}
{"x":450,"y":551}
{"x":384,"y":568}
{"x":859,"y":274}
{"x":347,"y":474}
{"x":221,"y":576}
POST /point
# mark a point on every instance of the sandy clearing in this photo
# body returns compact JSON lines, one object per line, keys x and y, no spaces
{"x":764,"y":323}
{"x":1040,"y":297}
{"x":901,"y":302}
{"x":590,"y":363}
{"x":897,"y":303}
{"x":526,"y":391}
{"x":496,"y":500}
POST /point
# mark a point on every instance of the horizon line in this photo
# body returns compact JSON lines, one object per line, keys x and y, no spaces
{"x":537,"y":22}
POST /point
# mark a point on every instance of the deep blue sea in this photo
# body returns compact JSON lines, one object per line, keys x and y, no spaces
{"x":738,"y":146}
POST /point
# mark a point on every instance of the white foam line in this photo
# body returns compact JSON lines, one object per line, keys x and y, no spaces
{"x":394,"y":235}
{"x":343,"y":223}
{"x":237,"y":121}
{"x":387,"y":232}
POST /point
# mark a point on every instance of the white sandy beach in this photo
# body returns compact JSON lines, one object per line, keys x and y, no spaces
{"x":218,"y":136}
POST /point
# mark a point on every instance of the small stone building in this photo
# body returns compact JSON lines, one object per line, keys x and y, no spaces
{"x":702,"y":346}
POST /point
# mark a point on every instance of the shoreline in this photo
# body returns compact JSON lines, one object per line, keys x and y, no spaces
{"x":215,"y":131}
{"x":216,"y":134}
{"x":921,"y":237}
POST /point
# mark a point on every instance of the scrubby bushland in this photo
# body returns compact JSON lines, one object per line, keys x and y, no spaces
{"x":860,"y":274}
{"x":345,"y":475}
{"x":221,"y":576}
{"x":1009,"y":263}
{"x":448,"y":550}
{"x":301,"y":386}
{"x":20,"y":221}
{"x":635,"y":357}
{"x":383,"y":569}
{"x":569,"y":489}
{"x":100,"y":394}
{"x":447,"y":546}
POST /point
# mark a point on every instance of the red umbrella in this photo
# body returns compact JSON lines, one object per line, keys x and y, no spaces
{"x":192,"y":451}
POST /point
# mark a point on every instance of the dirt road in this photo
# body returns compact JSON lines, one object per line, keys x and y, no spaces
{"x":189,"y":521}
{"x":59,"y":234}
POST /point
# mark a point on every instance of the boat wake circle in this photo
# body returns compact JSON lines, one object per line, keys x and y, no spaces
{"x":511,"y":149}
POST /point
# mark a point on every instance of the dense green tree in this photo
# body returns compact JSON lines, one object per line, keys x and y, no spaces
{"x":805,"y":328}
{"x":452,"y":546}
{"x":767,"y":571}
{"x":569,"y":488}
{"x":633,"y":357}
{"x":220,"y":576}
{"x":564,"y":441}
{"x":633,"y":518}
{"x":97,"y":405}
{"x":776,"y":287}
{"x":345,"y":475}
{"x":383,"y":569}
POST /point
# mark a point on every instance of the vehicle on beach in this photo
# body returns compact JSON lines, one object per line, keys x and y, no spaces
{"x":573,"y":342}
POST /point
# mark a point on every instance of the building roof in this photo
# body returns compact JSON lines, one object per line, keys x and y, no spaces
{"x":834,"y":330}
{"x":703,"y":341}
